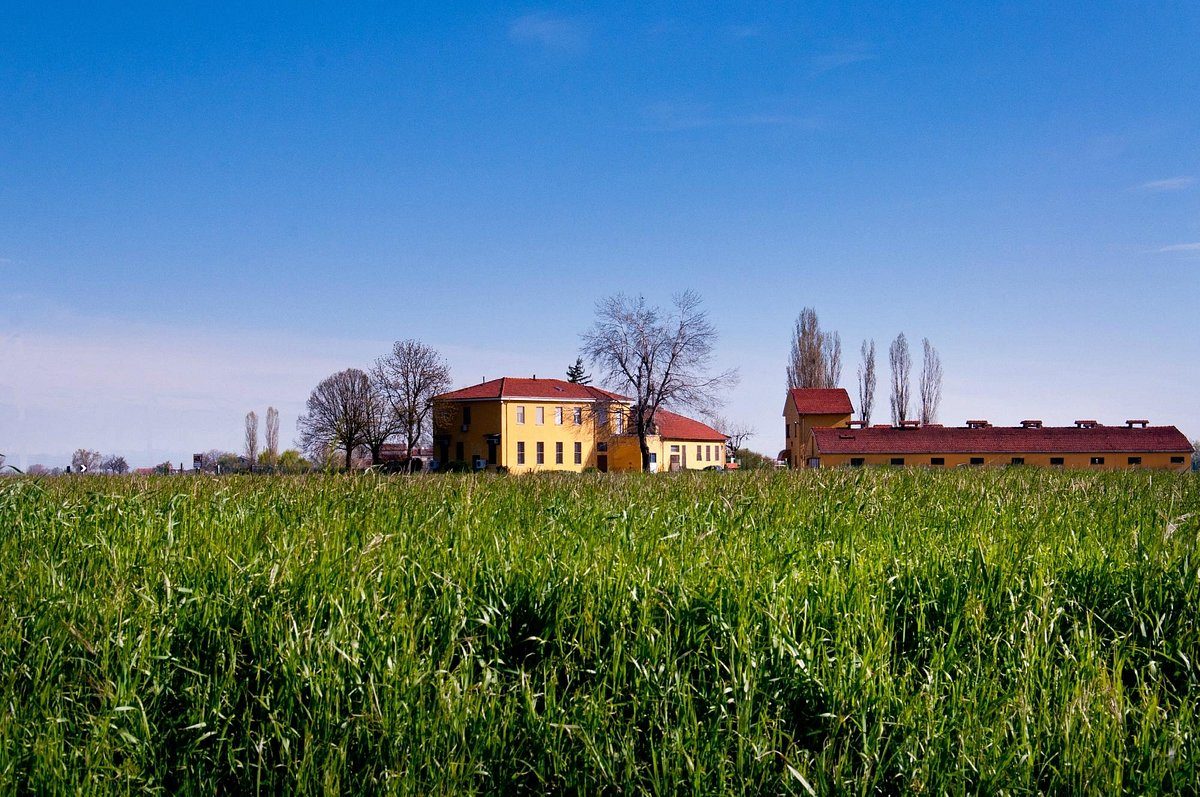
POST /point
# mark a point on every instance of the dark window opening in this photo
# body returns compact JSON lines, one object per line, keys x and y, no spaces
{"x":467,"y":414}
{"x":1097,"y":460}
{"x":1176,"y":460}
{"x":937,"y":460}
{"x":976,"y":460}
{"x":1018,"y":460}
{"x":558,"y":453}
{"x":579,"y":453}
{"x":458,"y":451}
{"x":1135,"y":460}
{"x":541,"y":453}
{"x":520,"y":453}
{"x":857,"y":462}
{"x":1056,"y":461}
{"x":897,"y":461}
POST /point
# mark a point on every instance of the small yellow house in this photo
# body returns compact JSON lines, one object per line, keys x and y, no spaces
{"x":809,"y":408}
{"x":529,"y":425}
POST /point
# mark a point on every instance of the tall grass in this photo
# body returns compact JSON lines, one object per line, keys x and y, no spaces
{"x":838,"y":631}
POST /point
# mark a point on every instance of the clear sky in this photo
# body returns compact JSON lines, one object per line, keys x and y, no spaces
{"x":205,"y":209}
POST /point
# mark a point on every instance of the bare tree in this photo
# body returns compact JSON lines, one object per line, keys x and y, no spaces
{"x":272,"y":436}
{"x":114,"y":464}
{"x":931,"y":383}
{"x":901,"y":363}
{"x":382,"y":421}
{"x":663,"y":359}
{"x":806,"y":365}
{"x":336,"y":414}
{"x":408,"y":378}
{"x":816,"y":356}
{"x":84,"y":460}
{"x":736,"y":434}
{"x":251,"y":450}
{"x":866,"y":382}
{"x":831,"y":355}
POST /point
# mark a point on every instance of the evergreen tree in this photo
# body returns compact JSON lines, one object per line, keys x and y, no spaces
{"x":576,"y":374}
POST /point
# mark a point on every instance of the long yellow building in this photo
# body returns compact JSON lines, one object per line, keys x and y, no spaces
{"x":820,"y":433}
{"x":527,"y":425}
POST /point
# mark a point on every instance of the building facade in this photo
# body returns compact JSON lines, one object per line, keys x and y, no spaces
{"x":530,"y":425}
{"x":820,"y":437}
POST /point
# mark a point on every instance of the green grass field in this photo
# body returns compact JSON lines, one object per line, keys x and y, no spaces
{"x":836,"y":631}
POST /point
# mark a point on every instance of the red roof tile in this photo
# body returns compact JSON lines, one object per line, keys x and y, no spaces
{"x":513,"y":388}
{"x":673,"y":426}
{"x":1001,"y":440}
{"x":821,"y":400}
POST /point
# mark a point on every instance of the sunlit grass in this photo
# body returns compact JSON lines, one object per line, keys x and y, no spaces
{"x":860,"y":631}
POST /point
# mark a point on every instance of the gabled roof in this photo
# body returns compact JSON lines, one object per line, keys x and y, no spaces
{"x":673,"y":426}
{"x":821,"y":400}
{"x":509,"y":387}
{"x":1001,"y":440}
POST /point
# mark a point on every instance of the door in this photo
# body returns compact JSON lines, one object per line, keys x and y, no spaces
{"x":602,"y":463}
{"x":653,"y":462}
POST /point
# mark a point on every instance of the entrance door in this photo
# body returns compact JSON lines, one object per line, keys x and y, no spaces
{"x":602,"y":463}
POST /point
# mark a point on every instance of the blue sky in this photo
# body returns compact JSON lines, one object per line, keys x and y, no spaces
{"x":206,"y":209}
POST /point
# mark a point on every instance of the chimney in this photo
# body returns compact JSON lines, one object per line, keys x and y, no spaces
{"x":856,"y":424}
{"x":978,"y":423}
{"x":910,"y":424}
{"x":1142,"y":422}
{"x":1031,"y":424}
{"x":1087,"y":424}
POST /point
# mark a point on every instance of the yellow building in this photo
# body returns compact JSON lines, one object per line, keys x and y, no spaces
{"x":820,"y":435}
{"x":807,"y":408}
{"x":525,"y":425}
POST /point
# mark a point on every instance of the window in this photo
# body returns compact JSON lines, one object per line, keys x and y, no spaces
{"x":674,"y":449}
{"x":1097,"y":460}
{"x":699,"y":455}
{"x":1176,"y":460}
{"x":520,"y":453}
{"x":1018,"y":460}
{"x":620,"y":423}
{"x":1135,"y":460}
{"x":467,"y":415}
{"x":558,"y":453}
{"x":458,"y":451}
{"x":558,"y":416}
{"x":787,"y":431}
{"x":539,"y":415}
{"x":520,"y":414}
{"x":976,"y":460}
{"x":856,"y":462}
{"x":602,"y":417}
{"x":708,"y":453}
{"x":1056,"y":461}
{"x":577,"y":415}
{"x":897,"y":461}
{"x":579,"y":453}
{"x":937,"y":460}
{"x":602,"y":447}
{"x":541,"y":453}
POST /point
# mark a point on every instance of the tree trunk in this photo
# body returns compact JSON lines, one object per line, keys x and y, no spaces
{"x":645,"y":447}
{"x":349,"y":452}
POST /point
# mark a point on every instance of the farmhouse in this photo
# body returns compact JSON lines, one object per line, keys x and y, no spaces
{"x":550,"y":424}
{"x":820,"y":433}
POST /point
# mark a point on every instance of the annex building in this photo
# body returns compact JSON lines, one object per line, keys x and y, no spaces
{"x":820,"y":432}
{"x":525,"y":425}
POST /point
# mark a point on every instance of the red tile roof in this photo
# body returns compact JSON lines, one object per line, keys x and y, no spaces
{"x":1001,"y":440}
{"x":509,"y":387}
{"x":673,"y":426}
{"x":821,"y":400}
